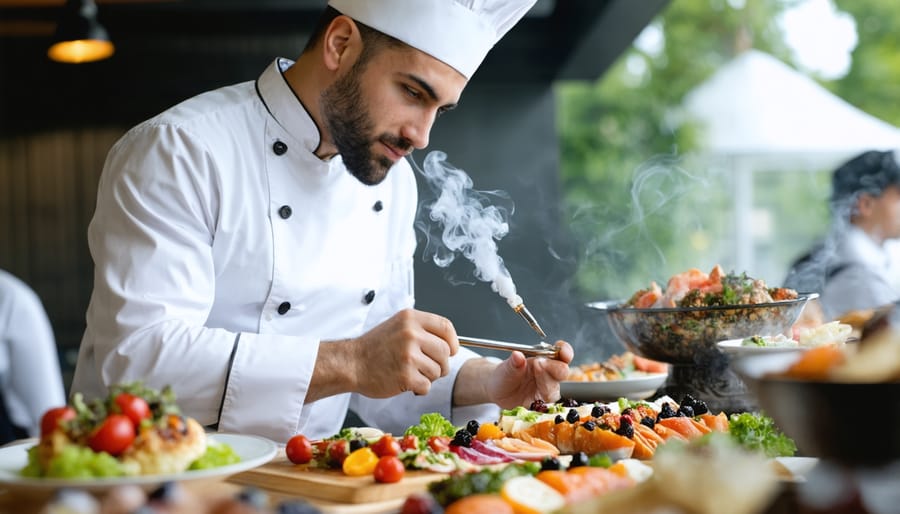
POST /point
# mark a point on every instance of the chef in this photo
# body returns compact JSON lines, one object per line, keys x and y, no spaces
{"x":253,"y":245}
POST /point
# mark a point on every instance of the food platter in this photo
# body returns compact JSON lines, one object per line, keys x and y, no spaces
{"x":634,"y":387}
{"x":736,"y":347}
{"x":254,"y":451}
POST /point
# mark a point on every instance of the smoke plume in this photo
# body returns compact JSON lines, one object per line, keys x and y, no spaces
{"x":468,"y":224}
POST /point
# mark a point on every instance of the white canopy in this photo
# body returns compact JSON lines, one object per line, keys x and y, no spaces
{"x":757,"y":106}
{"x":758,"y":114}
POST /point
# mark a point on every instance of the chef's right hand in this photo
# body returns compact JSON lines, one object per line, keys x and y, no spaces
{"x":406,"y":352}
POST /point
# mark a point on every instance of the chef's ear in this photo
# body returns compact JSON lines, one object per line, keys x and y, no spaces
{"x":341,"y":40}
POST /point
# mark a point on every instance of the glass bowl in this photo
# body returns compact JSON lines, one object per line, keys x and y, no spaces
{"x":688,"y":335}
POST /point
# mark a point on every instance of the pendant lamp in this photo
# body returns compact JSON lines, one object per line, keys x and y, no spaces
{"x":79,"y":37}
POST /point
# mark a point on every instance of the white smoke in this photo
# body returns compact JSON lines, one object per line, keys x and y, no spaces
{"x":470,"y":224}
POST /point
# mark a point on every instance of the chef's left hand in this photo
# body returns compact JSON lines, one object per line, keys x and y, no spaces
{"x":520,"y":381}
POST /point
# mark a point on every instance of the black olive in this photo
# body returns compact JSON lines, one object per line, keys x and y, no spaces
{"x":579,"y":459}
{"x":572,"y":416}
{"x":549,"y":463}
{"x":472,"y":427}
{"x":558,"y":419}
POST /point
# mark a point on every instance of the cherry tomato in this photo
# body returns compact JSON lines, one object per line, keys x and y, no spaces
{"x":386,"y":445}
{"x":338,"y":451}
{"x":299,"y":449}
{"x":113,"y":436}
{"x":135,"y":407}
{"x":53,"y":417}
{"x":439,"y":443}
{"x":409,"y":442}
{"x":389,"y":470}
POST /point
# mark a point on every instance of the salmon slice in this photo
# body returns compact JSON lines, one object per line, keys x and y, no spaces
{"x":646,"y":440}
{"x":667,"y":433}
{"x":687,"y":427}
{"x":603,"y":441}
{"x":717,"y":422}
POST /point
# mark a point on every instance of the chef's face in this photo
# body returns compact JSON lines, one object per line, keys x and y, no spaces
{"x":886,"y":212}
{"x":384,"y":106}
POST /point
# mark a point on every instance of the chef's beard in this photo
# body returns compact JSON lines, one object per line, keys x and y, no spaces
{"x":351,"y":127}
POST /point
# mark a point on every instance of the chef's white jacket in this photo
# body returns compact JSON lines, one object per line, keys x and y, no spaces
{"x":225,"y":250}
{"x":865,"y":276}
{"x":30,"y":379}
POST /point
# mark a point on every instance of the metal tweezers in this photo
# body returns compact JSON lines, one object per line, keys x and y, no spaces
{"x":541,"y":349}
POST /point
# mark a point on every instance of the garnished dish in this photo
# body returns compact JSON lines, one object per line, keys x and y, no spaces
{"x":682,"y":323}
{"x":625,"y":375}
{"x":832,"y":333}
{"x":136,"y":435}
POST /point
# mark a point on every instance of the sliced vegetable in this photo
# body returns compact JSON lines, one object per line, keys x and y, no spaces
{"x":528,"y":495}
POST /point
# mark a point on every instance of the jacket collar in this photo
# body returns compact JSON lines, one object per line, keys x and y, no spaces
{"x":287,"y":109}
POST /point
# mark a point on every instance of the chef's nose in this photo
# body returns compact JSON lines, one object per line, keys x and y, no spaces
{"x":419,"y":130}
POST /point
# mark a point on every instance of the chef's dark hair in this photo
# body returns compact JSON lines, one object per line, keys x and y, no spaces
{"x":373,"y":40}
{"x":870,"y":172}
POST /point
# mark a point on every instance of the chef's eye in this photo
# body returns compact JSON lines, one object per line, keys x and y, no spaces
{"x":413,"y":92}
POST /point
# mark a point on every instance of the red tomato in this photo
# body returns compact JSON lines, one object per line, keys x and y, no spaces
{"x":439,"y":443}
{"x":338,"y":451}
{"x":386,"y":445}
{"x":389,"y":470}
{"x":409,"y":442}
{"x":299,"y":449}
{"x":135,"y":407}
{"x":53,"y":417}
{"x":113,"y":436}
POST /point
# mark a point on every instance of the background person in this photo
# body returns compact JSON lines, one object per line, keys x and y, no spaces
{"x":852,"y":269}
{"x":30,"y":378}
{"x":253,"y":246}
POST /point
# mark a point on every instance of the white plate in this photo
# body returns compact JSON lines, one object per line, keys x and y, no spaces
{"x":734,"y":346}
{"x":254,"y":451}
{"x":632,"y":388}
{"x":794,"y":469}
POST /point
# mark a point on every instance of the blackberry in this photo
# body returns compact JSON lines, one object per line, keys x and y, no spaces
{"x":665,"y":412}
{"x":698,"y":406}
{"x":648,"y":421}
{"x":462,"y":438}
{"x":538,"y":406}
{"x":686,"y":411}
{"x":572,"y":416}
{"x":472,"y":427}
{"x":558,"y":419}
{"x":356,"y":444}
{"x":599,"y":410}
{"x":626,"y":428}
{"x":569,"y":402}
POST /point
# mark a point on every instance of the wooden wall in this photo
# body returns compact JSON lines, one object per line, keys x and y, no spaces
{"x":48,"y":183}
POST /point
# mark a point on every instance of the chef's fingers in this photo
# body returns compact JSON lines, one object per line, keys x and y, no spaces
{"x":565,"y":352}
{"x":437,"y":354}
{"x":442,"y":328}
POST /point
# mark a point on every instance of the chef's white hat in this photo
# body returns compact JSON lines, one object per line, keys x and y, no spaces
{"x":457,"y":32}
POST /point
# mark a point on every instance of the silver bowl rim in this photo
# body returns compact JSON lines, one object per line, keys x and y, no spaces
{"x":616,"y":306}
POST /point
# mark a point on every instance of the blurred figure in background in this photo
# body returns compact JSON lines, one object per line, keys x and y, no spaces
{"x":30,"y":377}
{"x":852,"y":268}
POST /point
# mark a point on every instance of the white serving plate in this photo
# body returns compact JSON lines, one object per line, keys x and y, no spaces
{"x":637,"y":387}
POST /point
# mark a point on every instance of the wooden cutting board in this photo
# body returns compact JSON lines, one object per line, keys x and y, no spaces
{"x":331,"y":485}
